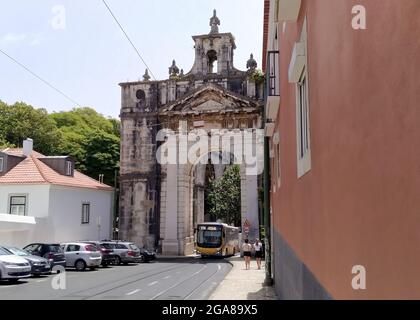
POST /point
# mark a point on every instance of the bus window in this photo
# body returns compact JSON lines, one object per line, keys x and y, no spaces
{"x":209,"y":238}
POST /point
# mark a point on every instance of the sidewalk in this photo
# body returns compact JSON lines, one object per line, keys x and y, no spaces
{"x":241,"y":284}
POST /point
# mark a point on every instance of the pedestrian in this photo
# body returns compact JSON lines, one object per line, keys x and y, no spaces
{"x":258,"y":252}
{"x":247,"y":248}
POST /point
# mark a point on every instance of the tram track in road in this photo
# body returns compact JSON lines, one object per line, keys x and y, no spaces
{"x":133,"y":278}
{"x":194,"y":290}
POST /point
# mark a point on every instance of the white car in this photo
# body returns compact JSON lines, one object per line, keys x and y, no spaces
{"x":13,"y":267}
{"x":81,"y":255}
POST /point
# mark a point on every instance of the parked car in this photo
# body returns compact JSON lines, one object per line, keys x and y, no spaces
{"x":38,"y":264}
{"x":127,"y":252}
{"x":108,"y":255}
{"x":50,"y":251}
{"x":13,"y":267}
{"x":148,"y":255}
{"x":80,"y":255}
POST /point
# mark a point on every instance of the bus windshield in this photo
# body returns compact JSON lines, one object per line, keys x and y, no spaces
{"x":209,"y":238}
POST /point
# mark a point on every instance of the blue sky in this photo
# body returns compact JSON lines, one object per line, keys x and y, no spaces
{"x":89,"y":56}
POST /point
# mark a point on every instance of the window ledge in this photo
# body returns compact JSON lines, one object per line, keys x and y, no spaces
{"x":297,"y":63}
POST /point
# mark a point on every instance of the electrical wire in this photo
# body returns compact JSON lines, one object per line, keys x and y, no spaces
{"x":128,"y":38}
{"x":39,"y":78}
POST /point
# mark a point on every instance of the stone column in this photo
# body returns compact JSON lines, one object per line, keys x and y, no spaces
{"x":170,"y":245}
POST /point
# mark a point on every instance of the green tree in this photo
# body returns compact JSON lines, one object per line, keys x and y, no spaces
{"x":102,"y":155}
{"x":92,"y":139}
{"x":20,"y":121}
{"x":223,"y":196}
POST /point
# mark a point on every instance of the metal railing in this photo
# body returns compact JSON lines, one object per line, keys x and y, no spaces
{"x":273,"y":74}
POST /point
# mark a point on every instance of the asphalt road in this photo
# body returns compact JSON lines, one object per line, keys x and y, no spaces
{"x":177,"y":279}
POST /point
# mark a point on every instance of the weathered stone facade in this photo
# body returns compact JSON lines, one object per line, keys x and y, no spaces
{"x":160,"y":204}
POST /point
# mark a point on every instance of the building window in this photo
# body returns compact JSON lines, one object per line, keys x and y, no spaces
{"x":303,"y":126}
{"x":276,"y":177}
{"x":18,"y":205}
{"x":300,"y":74}
{"x":1,"y":164}
{"x":85,"y":213}
{"x":303,"y":117}
{"x":69,"y":168}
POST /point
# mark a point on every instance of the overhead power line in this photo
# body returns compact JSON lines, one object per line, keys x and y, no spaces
{"x":39,"y":78}
{"x":128,"y":38}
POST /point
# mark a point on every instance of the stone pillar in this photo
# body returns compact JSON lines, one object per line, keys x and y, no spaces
{"x":170,"y":244}
{"x":199,"y":185}
{"x":249,"y":204}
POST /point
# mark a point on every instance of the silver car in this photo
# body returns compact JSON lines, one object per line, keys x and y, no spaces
{"x":81,"y":255}
{"x":126,"y":252}
{"x":13,"y":267}
{"x":38,"y":264}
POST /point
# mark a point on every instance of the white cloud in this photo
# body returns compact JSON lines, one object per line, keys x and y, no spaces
{"x":19,"y":38}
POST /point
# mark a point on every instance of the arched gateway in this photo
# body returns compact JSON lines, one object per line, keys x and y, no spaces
{"x":171,"y":128}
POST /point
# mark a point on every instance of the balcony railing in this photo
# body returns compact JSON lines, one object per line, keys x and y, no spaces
{"x":273,"y":74}
{"x":273,"y":86}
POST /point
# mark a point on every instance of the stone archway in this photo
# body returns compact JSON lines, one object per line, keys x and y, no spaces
{"x":155,"y":200}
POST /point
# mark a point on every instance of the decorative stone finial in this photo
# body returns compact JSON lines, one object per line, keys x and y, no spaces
{"x":214,"y":23}
{"x":251,"y":63}
{"x":146,"y":76}
{"x":182,"y":73}
{"x":173,"y":69}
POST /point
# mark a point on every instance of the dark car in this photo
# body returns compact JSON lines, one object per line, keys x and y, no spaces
{"x":147,"y":255}
{"x":107,"y":252}
{"x":50,"y":251}
{"x":38,"y":264}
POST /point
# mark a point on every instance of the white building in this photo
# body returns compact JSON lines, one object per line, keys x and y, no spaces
{"x":43,"y":199}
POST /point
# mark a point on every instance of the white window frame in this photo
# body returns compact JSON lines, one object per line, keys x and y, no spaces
{"x":276,"y":161}
{"x":85,"y":215}
{"x":25,"y":206}
{"x":303,"y":132}
{"x":1,"y":164}
{"x":69,"y":168}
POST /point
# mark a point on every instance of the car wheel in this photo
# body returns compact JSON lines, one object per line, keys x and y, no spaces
{"x":80,"y":265}
{"x":117,"y":261}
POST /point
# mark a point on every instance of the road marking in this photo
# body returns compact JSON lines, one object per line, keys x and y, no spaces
{"x":152,"y":283}
{"x":175,"y":285}
{"x":41,"y":280}
{"x":167,"y":277}
{"x":132,"y":292}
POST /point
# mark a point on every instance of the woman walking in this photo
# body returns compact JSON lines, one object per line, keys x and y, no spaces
{"x":258,"y":252}
{"x":247,"y":248}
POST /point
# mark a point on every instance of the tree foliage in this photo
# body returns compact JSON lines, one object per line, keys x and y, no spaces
{"x":92,"y":139}
{"x":20,"y":121}
{"x":223,"y":196}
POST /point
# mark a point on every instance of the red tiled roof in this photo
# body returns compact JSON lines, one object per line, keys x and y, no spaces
{"x":33,"y":171}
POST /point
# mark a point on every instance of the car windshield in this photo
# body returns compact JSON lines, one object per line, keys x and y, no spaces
{"x":109,"y":245}
{"x":17,"y":251}
{"x":133,"y":247}
{"x":55,"y":248}
{"x":209,"y":238}
{"x":4,"y":252}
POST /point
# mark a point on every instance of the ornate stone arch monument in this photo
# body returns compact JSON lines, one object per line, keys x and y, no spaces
{"x":162,"y":196}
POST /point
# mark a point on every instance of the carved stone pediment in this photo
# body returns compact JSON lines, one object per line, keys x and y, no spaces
{"x":211,"y":98}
